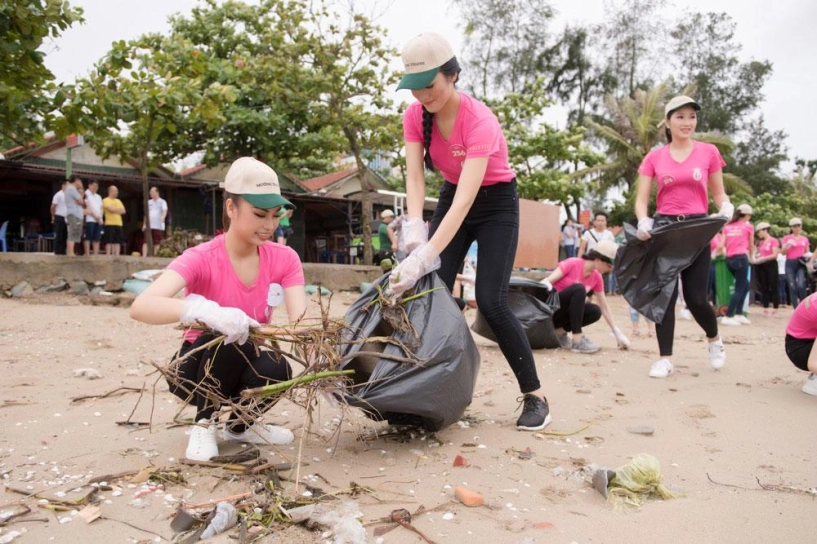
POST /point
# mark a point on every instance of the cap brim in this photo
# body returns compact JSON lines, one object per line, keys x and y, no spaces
{"x":695,"y":105}
{"x":266,"y":202}
{"x":420,"y":80}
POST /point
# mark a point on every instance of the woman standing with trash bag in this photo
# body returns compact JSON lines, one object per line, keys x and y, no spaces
{"x":795,"y":245}
{"x":766,"y":268}
{"x":458,"y":135}
{"x":232,"y":283}
{"x":739,"y":241}
{"x":682,"y":171}
{"x":576,"y":279}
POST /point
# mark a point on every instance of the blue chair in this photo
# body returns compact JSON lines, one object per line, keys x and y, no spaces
{"x":3,"y":230}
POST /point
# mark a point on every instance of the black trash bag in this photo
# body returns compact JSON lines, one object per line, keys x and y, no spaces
{"x":533,"y":304}
{"x":433,"y":393}
{"x":647,"y":271}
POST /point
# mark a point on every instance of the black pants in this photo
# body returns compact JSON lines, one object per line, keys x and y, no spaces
{"x":574,"y":311}
{"x":493,"y":221}
{"x":60,"y":235}
{"x":768,"y":283}
{"x":226,"y":370}
{"x":694,"y":279}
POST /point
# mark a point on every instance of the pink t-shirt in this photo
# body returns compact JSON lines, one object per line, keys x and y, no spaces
{"x":573,"y":272}
{"x":476,"y":134}
{"x":798,"y":248}
{"x":803,"y":322}
{"x":682,"y":186}
{"x":715,"y":243}
{"x":738,"y":234}
{"x":767,"y":246}
{"x":207,"y":270}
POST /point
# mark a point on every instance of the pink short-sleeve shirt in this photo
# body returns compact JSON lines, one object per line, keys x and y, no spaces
{"x":476,"y":134}
{"x":799,"y":246}
{"x":573,"y":272}
{"x":738,"y":235}
{"x":803,"y":322}
{"x":682,"y":186}
{"x":767,"y":246}
{"x":207,"y":271}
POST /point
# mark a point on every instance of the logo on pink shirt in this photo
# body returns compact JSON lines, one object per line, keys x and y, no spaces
{"x":696,"y":174}
{"x":457,"y":151}
{"x":666,"y":180}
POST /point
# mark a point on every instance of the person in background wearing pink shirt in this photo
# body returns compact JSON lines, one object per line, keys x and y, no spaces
{"x":795,"y":245}
{"x":450,"y":131}
{"x":683,"y":170}
{"x":800,"y":335}
{"x":739,"y":241}
{"x":766,"y":268}
{"x":576,"y":279}
{"x":232,"y":283}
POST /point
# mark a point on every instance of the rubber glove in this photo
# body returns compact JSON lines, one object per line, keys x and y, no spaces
{"x":413,"y":234}
{"x":645,"y":225}
{"x":420,"y":262}
{"x":547,"y":284}
{"x":623,"y":341}
{"x":727,"y":210}
{"x":231,"y":322}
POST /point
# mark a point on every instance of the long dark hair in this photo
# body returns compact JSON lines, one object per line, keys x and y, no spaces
{"x":450,"y":69}
{"x":225,"y":219}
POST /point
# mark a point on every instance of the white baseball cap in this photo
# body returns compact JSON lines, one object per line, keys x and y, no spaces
{"x":386,"y":213}
{"x":422,"y":58}
{"x":256,"y":183}
{"x":605,"y":250}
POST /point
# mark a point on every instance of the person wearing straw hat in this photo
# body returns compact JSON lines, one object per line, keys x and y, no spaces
{"x":765,"y":263}
{"x":684,"y":171}
{"x":451,"y":132}
{"x":795,"y":245}
{"x":233,"y":283}
{"x":739,"y":241}
{"x":576,"y":279}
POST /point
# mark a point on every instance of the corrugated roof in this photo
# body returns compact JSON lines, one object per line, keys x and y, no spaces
{"x":321,"y":182}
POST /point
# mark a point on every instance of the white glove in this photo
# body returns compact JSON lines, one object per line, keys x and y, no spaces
{"x":547,"y":284}
{"x":727,"y":210}
{"x":420,"y":262}
{"x":413,"y":234}
{"x":231,"y":322}
{"x":645,"y":225}
{"x":623,"y":341}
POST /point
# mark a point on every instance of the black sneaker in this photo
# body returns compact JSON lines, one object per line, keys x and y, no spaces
{"x":535,"y":414}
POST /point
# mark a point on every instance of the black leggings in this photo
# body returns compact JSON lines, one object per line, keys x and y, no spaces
{"x":574,"y":311}
{"x":226,"y":369}
{"x":493,"y":221}
{"x":694,"y":279}
{"x":768,"y":282}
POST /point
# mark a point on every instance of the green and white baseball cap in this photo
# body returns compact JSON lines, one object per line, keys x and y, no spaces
{"x":422,"y":58}
{"x":256,"y":182}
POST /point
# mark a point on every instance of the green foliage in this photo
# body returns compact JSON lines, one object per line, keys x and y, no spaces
{"x":25,"y":83}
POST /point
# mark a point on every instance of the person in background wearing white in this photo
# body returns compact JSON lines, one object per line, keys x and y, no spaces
{"x":93,"y":218}
{"x":685,"y":171}
{"x":232,"y":283}
{"x":766,"y":268}
{"x":570,"y":238}
{"x":597,"y":234}
{"x":795,"y":245}
{"x":157,"y":214}
{"x":739,"y":242}
{"x":58,"y":213}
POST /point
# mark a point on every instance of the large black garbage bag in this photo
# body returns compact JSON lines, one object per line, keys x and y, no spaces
{"x":647,"y":271}
{"x":533,"y":304}
{"x":432,"y":394}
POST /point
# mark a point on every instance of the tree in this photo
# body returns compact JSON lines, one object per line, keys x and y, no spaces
{"x":351,"y":65}
{"x":25,"y":82}
{"x":137,"y":101}
{"x":758,"y":157}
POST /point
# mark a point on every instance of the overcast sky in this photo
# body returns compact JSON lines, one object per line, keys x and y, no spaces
{"x":781,"y":32}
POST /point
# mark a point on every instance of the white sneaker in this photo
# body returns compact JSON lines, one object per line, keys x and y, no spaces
{"x":258,"y":433}
{"x":742,"y":319}
{"x":661,"y":368}
{"x":726,"y":320}
{"x":202,"y":445}
{"x":686,"y":314}
{"x":810,"y":387}
{"x":717,"y":355}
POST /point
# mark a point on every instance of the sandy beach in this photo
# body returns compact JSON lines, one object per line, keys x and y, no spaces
{"x":738,"y":443}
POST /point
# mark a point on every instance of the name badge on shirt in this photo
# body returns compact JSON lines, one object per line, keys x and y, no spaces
{"x":275,"y":295}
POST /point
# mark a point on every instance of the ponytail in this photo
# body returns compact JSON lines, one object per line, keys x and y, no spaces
{"x":428,"y":119}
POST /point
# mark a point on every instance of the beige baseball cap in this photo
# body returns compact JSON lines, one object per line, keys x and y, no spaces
{"x":256,"y":183}
{"x":762,"y":225}
{"x":386,"y":213}
{"x":606,"y":250}
{"x":677,"y":103}
{"x":422,"y":58}
{"x":745,"y":209}
{"x":795,"y":221}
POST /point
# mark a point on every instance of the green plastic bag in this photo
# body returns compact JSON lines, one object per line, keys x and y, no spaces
{"x":639,"y":481}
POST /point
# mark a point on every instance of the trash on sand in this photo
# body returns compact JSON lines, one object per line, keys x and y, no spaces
{"x":343,"y":520}
{"x":225,"y":518}
{"x":633,"y":483}
{"x":641,"y":429}
{"x":5,"y":538}
{"x":90,"y":513}
{"x":90,"y":373}
{"x":468,"y":498}
{"x":312,"y":289}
